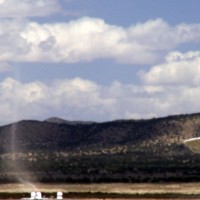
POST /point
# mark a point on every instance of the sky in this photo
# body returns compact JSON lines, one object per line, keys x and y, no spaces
{"x":98,"y":60}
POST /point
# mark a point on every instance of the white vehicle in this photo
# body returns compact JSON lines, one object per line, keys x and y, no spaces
{"x":38,"y":196}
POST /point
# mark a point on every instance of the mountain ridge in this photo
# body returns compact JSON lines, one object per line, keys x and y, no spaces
{"x":64,"y":121}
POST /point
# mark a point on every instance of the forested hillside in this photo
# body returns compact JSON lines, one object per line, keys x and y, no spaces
{"x":57,"y":150}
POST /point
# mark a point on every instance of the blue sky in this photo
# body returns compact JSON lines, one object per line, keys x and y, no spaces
{"x":98,"y":60}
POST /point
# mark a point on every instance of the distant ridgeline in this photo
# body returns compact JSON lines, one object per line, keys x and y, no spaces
{"x":56,"y":150}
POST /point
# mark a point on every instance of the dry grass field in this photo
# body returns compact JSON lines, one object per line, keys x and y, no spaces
{"x":159,"y":188}
{"x":120,"y":191}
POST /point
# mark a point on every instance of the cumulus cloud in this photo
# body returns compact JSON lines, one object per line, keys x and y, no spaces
{"x":168,"y":88}
{"x":87,"y":39}
{"x":79,"y":99}
{"x":12,"y":44}
{"x":74,"y":98}
{"x":27,"y":8}
{"x":178,"y":69}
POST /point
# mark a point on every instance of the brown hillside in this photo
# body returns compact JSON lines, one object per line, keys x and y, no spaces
{"x":123,"y":151}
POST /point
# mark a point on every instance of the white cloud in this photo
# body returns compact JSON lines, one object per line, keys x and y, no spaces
{"x":178,"y":69}
{"x":27,"y":8}
{"x":79,"y":99}
{"x":87,"y":39}
{"x":74,"y":98}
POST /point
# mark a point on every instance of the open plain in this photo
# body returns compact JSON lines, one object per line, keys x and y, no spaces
{"x":105,"y":191}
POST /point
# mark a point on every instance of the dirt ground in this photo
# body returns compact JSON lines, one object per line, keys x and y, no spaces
{"x":179,"y":188}
{"x":184,"y":190}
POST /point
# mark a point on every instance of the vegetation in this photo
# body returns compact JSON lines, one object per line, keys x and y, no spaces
{"x":100,"y":195}
{"x":118,"y":151}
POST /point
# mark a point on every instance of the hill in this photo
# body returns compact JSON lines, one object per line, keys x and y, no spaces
{"x":57,"y":150}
